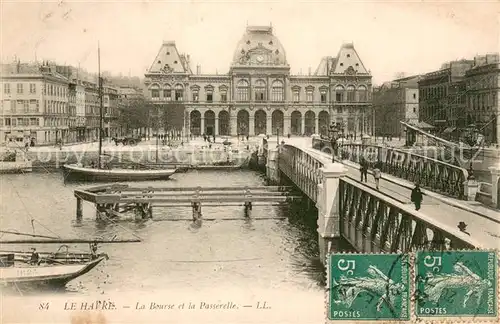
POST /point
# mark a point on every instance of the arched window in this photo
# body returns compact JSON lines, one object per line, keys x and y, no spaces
{"x":362,"y":94}
{"x":260,"y":90}
{"x":242,"y":90}
{"x":155,"y":92}
{"x":167,"y":92}
{"x":339,"y":93}
{"x":179,"y":92}
{"x":277,"y":91}
{"x":350,"y":93}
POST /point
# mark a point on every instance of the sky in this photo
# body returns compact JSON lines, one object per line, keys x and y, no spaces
{"x":390,"y":36}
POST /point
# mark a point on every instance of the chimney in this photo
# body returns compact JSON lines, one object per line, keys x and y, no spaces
{"x":198,"y":69}
{"x":309,"y":70}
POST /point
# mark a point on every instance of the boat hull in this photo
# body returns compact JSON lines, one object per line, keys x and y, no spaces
{"x":15,"y":167}
{"x":72,"y":172}
{"x":53,"y":275}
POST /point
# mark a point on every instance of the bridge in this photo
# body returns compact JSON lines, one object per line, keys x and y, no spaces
{"x":384,"y":220}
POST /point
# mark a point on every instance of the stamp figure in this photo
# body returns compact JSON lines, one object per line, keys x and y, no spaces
{"x":457,"y":283}
{"x":369,"y":287}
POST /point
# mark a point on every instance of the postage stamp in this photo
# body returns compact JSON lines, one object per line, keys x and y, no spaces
{"x":456,"y":284}
{"x":369,"y":287}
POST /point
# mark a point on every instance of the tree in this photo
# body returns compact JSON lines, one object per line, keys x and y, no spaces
{"x":135,"y":113}
{"x":172,"y":115}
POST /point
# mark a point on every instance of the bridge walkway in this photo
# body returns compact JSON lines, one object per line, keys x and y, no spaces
{"x":483,"y":229}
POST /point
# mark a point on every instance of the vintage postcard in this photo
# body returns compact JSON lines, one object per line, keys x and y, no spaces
{"x":294,"y":162}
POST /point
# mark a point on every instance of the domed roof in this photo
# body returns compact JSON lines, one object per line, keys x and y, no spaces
{"x":259,"y":46}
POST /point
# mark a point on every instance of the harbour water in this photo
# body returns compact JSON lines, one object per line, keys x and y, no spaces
{"x":274,"y":251}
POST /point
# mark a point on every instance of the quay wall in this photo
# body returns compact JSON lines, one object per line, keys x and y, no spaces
{"x":57,"y":158}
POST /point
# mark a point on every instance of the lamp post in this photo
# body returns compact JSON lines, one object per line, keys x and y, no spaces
{"x":334,"y":131}
{"x":278,"y":136}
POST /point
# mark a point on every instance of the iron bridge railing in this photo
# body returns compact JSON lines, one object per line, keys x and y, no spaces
{"x":430,"y":173}
{"x":371,"y":221}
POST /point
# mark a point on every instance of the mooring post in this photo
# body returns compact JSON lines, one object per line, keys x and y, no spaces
{"x":196,"y":210}
{"x":248,"y":201}
{"x":79,"y":209}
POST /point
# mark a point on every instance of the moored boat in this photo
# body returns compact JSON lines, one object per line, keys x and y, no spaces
{"x":33,"y":269}
{"x":78,"y":172}
{"x":15,"y":162}
{"x":102,"y":173}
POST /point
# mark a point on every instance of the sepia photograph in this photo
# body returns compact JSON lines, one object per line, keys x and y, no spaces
{"x":294,"y":162}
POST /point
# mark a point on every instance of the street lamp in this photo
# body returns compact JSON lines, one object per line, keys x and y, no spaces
{"x":334,"y":133}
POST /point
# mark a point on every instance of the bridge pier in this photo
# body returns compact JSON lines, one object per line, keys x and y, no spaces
{"x":495,"y":185}
{"x":272,"y":167}
{"x":328,"y":205}
{"x":79,"y":209}
{"x":196,"y":210}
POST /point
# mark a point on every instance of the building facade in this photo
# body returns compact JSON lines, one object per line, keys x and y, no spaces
{"x":393,"y":102}
{"x":482,"y":83}
{"x":34,"y":105}
{"x":259,"y":95}
{"x":442,"y":99}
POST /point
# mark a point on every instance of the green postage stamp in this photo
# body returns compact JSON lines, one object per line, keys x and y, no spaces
{"x":456,"y":284}
{"x":369,"y":287}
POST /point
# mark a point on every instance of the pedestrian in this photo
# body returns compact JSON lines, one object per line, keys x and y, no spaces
{"x":377,"y":172}
{"x":363,"y":169}
{"x":416,"y":196}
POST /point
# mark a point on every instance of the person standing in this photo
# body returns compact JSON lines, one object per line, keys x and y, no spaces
{"x":377,"y":173}
{"x":416,"y":196}
{"x":363,"y":169}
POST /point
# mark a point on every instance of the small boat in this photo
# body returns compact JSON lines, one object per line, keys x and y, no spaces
{"x":102,"y":173}
{"x":15,"y":162}
{"x":78,"y":172}
{"x":33,"y":269}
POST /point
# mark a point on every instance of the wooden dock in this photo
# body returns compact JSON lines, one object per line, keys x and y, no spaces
{"x":116,"y":199}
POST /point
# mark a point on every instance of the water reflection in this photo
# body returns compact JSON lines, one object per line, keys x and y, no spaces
{"x":271,"y":246}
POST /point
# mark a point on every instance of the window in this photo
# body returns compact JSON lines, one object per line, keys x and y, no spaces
{"x":179,"y":92}
{"x":167,"y":92}
{"x":414,"y":96}
{"x":6,"y":88}
{"x":277,"y":91}
{"x":19,"y":88}
{"x":309,"y":94}
{"x":195,"y":95}
{"x":322,"y":95}
{"x":210,"y":95}
{"x":339,"y":93}
{"x":414,"y":110}
{"x":34,"y":121}
{"x":350,"y":93}
{"x":296,"y":95}
{"x":7,"y":121}
{"x":155,"y":92}
{"x":26,"y":105}
{"x":339,"y":109}
{"x":223,"y":94}
{"x":362,"y":94}
{"x":242,"y":90}
{"x":260,"y":90}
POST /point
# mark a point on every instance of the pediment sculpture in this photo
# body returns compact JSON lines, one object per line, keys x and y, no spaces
{"x":166,"y":69}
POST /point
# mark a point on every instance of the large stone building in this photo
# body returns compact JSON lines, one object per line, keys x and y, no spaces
{"x":483,"y":95}
{"x":442,"y":96}
{"x":393,"y":102}
{"x":34,"y":105}
{"x":259,"y":95}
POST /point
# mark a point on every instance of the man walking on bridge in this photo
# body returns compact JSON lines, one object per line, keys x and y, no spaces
{"x":363,"y":169}
{"x":377,"y":172}
{"x":416,"y":196}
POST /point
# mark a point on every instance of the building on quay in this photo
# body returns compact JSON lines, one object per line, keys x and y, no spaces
{"x":395,"y":101}
{"x":259,"y":95}
{"x":442,"y":96}
{"x":34,"y":105}
{"x":46,"y":103}
{"x":482,"y":83}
